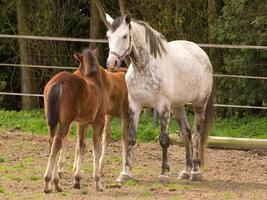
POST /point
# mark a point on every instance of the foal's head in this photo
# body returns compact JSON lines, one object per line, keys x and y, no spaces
{"x":88,"y":61}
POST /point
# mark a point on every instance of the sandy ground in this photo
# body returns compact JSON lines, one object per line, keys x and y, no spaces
{"x":229,"y":174}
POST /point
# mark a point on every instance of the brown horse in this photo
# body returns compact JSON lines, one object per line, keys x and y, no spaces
{"x":69,"y":97}
{"x":116,"y":93}
{"x":116,"y":90}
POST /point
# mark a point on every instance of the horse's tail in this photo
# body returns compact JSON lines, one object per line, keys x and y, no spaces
{"x":53,"y":105}
{"x":207,"y":127}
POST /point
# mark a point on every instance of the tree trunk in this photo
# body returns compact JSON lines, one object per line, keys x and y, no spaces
{"x":122,"y":7}
{"x":28,"y":82}
{"x":94,"y":24}
{"x":214,"y":8}
{"x":101,"y":10}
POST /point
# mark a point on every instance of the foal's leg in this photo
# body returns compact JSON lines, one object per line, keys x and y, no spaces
{"x":134,"y":114}
{"x":164,"y":142}
{"x":51,"y":165}
{"x":105,"y":140}
{"x":62,"y":157}
{"x":180,"y":116}
{"x":97,"y":131}
{"x":80,"y":149}
{"x":199,"y":129}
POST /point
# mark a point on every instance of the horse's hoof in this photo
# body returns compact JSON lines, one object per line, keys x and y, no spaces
{"x":47,"y":191}
{"x":99,"y":188}
{"x":76,"y":186}
{"x":184,"y":175}
{"x":60,"y":174}
{"x":123,"y":178}
{"x":58,"y":189}
{"x":164,"y":179}
{"x":196,"y":176}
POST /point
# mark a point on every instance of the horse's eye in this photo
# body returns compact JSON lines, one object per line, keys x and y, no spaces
{"x":125,"y":36}
{"x":107,"y":37}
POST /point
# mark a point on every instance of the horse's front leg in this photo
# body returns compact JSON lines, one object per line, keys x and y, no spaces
{"x":105,"y":140}
{"x":80,"y":150}
{"x":133,"y":116}
{"x":164,"y":142}
{"x":62,"y":157}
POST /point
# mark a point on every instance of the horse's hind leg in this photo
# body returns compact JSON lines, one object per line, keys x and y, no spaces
{"x":199,"y":130}
{"x":97,"y":131}
{"x":164,"y":142}
{"x":179,"y":115}
{"x":80,"y":150}
{"x":105,"y":140}
{"x":51,"y":165}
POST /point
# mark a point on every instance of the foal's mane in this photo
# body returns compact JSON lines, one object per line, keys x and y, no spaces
{"x":154,"y":39}
{"x":92,"y":60}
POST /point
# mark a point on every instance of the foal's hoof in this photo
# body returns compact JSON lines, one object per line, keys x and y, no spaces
{"x":76,"y":186}
{"x":184,"y":175}
{"x":47,"y":191}
{"x":164,"y":179}
{"x":196,"y":176}
{"x":123,"y":178}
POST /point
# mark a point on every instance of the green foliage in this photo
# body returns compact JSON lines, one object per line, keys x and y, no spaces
{"x":34,"y":121}
{"x":242,"y":22}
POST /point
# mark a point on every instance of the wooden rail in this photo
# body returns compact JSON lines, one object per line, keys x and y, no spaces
{"x":227,"y":142}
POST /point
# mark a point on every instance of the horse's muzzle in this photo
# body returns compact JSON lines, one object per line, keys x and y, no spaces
{"x":113,"y":62}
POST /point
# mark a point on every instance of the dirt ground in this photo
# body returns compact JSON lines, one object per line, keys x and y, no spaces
{"x":229,"y":174}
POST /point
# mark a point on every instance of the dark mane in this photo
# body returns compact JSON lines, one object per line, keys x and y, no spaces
{"x":154,"y":39}
{"x":88,"y":53}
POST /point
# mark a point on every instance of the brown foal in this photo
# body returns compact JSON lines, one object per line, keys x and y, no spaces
{"x":89,"y":96}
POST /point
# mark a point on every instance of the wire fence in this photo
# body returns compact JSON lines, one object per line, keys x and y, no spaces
{"x":105,"y":41}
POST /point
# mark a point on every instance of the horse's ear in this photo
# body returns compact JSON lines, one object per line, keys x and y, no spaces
{"x":109,"y":19}
{"x":127,"y":18}
{"x":96,"y":52}
{"x":78,"y":57}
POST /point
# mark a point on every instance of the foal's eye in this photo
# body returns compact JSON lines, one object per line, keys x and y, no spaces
{"x":125,"y":36}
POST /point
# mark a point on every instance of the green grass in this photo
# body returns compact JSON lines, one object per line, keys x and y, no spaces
{"x":34,"y":122}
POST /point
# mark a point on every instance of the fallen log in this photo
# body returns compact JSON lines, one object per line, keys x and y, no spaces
{"x":227,"y":142}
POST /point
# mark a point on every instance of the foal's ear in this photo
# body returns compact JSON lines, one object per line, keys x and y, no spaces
{"x":77,"y":56}
{"x":109,"y":19}
{"x":96,"y":52}
{"x":127,"y":18}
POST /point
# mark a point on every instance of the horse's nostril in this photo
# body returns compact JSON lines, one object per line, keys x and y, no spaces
{"x":116,"y":62}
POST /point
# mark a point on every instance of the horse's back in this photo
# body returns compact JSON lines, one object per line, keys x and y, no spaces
{"x":192,"y":49}
{"x":192,"y":71}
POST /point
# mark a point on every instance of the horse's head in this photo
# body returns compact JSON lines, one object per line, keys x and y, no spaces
{"x":119,"y":39}
{"x":88,"y":61}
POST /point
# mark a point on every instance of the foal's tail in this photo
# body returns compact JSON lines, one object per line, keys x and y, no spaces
{"x":53,"y":106}
{"x":207,"y":127}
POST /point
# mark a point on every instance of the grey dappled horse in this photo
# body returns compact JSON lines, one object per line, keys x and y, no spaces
{"x":165,"y":76}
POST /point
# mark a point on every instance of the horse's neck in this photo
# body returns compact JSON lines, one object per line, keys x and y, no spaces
{"x":97,"y":77}
{"x":105,"y":77}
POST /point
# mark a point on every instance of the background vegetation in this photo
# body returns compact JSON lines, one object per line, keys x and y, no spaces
{"x":206,"y":21}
